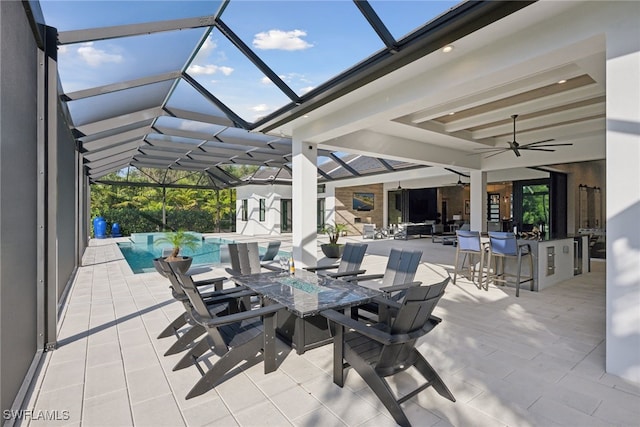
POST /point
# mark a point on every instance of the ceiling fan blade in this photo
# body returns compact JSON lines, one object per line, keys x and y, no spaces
{"x":495,"y":154}
{"x":516,"y":151}
{"x":537,"y":149}
{"x":554,"y":145}
{"x":537,"y":142}
{"x":458,"y":173}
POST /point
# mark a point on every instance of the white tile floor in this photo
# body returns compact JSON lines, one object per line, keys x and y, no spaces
{"x":533,"y":360}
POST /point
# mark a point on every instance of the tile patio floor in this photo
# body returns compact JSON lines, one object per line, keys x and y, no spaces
{"x":537,"y":360}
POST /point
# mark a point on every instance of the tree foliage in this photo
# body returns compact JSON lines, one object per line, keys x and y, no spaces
{"x":136,"y":207}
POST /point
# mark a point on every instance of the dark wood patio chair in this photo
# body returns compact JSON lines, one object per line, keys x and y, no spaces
{"x":381,"y":350}
{"x":234,"y":337}
{"x":217,"y":302}
{"x":397,"y":278}
{"x":349,"y":265}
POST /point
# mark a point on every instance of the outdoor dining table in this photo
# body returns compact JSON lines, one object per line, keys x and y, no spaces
{"x":305,"y":295}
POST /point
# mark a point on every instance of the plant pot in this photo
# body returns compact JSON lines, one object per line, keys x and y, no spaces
{"x":182,"y":264}
{"x":331,"y":250}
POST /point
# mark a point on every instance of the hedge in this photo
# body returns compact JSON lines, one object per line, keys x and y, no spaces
{"x":135,"y":221}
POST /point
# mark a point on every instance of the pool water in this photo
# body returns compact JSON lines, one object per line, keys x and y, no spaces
{"x":140,"y":251}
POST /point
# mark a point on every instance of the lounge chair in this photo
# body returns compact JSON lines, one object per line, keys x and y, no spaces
{"x":272,"y":251}
{"x":379,"y":351}
{"x":234,"y":337}
{"x":349,"y":265}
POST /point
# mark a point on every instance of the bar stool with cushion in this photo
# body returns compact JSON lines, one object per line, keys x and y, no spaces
{"x":503,"y":245}
{"x":470,"y":245}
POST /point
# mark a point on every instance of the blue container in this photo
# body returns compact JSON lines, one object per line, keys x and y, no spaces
{"x":100,"y":228}
{"x":115,"y":230}
{"x":95,"y":224}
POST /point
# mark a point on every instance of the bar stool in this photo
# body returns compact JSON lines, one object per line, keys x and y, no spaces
{"x":504,"y":245}
{"x":470,"y":245}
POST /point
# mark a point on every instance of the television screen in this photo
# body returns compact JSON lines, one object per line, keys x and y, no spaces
{"x":362,"y":201}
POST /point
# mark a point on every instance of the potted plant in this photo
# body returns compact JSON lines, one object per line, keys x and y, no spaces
{"x":178,"y":240}
{"x":333,"y":249}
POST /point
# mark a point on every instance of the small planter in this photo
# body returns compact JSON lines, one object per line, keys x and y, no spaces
{"x":182,"y":264}
{"x":332,"y":250}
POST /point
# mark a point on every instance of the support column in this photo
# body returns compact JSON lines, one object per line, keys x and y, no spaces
{"x":623,"y":206}
{"x":305,"y":199}
{"x":478,"y":195}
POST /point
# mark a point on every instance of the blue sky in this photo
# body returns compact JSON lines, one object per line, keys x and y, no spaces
{"x":304,"y":42}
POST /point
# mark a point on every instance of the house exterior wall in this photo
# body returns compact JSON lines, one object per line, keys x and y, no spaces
{"x":272,"y":194}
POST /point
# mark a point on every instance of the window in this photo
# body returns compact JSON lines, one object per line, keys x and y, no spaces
{"x":262,"y":209}
{"x":245,"y":210}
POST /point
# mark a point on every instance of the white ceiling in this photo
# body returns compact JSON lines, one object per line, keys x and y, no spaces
{"x":510,"y":67}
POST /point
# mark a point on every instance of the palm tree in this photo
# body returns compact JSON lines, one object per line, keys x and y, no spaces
{"x":178,"y":240}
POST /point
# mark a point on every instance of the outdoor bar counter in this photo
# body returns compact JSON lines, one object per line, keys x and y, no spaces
{"x":555,"y":259}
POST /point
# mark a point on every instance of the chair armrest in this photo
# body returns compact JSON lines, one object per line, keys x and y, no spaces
{"x":322,"y":267}
{"x":232,"y":272}
{"x":373,"y":333}
{"x":214,"y":281}
{"x":345,"y":274}
{"x":229,"y":297}
{"x":383,"y":300}
{"x":366,"y":277}
{"x":244,"y":315}
{"x":271,"y":266}
{"x":400,"y":287}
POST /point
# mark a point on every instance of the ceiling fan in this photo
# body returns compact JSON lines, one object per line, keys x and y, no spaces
{"x":460,"y":175}
{"x":516,"y":147}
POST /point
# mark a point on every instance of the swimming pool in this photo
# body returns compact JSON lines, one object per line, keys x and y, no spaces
{"x":141,"y":249}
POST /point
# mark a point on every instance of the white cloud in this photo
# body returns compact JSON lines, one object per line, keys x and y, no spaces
{"x":304,"y":90}
{"x":283,"y":40}
{"x":96,"y":57}
{"x":266,"y":80}
{"x":63,"y":49}
{"x":260,"y":108}
{"x":209,"y":69}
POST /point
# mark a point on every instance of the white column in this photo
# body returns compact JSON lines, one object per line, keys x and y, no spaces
{"x":623,"y":206}
{"x":305,"y":199}
{"x":478,"y":195}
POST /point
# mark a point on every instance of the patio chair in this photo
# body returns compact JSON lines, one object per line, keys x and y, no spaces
{"x":504,"y":245}
{"x":381,"y":350}
{"x":469,"y":245}
{"x":369,"y":231}
{"x":349,"y":265}
{"x":397,"y":278}
{"x":234,"y":337}
{"x":245,"y":259}
{"x":272,"y":251}
{"x":217,"y":302}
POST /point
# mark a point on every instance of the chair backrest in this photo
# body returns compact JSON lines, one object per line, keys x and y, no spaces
{"x":368,"y":230}
{"x":272,"y":251}
{"x":401,"y":267}
{"x":415,"y":311}
{"x":465,"y":227}
{"x":503,"y":243}
{"x":185,"y":282}
{"x":167,"y":272}
{"x":244,"y":257}
{"x":469,"y":241}
{"x":352,"y":257}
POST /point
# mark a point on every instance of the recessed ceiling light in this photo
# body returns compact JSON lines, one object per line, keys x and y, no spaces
{"x":447,"y":48}
{"x":452,"y":113}
{"x":562,"y":81}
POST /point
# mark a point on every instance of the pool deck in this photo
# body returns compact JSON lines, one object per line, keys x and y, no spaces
{"x":537,"y":360}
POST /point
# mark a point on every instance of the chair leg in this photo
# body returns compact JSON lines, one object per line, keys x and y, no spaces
{"x":455,"y":266}
{"x":378,"y":385}
{"x":185,"y":340}
{"x":518,"y":274}
{"x":236,"y":355}
{"x":192,"y":355}
{"x":531,"y":269}
{"x":432,"y":376}
{"x":173,"y":327}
